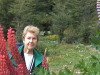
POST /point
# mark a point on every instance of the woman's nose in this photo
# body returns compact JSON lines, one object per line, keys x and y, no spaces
{"x":30,"y":40}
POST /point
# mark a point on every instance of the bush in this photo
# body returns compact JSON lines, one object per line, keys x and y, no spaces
{"x":40,"y":71}
{"x":95,"y":41}
{"x":49,"y":37}
{"x":92,"y":67}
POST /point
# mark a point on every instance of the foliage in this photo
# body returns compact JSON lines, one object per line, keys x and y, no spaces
{"x":42,"y":10}
{"x":49,"y":37}
{"x":40,"y":71}
{"x":61,"y":56}
{"x":6,"y":16}
{"x":78,"y":16}
{"x":60,"y":18}
{"x":87,"y":13}
{"x":82,"y":68}
{"x":89,"y":68}
{"x":71,"y":36}
{"x":22,"y":10}
{"x":32,"y":12}
{"x":95,"y":41}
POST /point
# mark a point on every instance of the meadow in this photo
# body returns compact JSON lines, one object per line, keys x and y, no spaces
{"x":63,"y":55}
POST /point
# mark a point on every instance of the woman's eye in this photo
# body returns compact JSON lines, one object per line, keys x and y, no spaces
{"x":28,"y":38}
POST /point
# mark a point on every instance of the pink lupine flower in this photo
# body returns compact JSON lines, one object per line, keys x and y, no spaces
{"x":16,"y":55}
{"x":6,"y":66}
{"x":44,"y":61}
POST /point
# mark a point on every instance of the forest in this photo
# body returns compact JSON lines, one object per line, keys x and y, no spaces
{"x":69,"y":30}
{"x":74,"y":21}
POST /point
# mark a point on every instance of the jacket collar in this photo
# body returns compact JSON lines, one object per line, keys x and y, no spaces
{"x":37,"y":56}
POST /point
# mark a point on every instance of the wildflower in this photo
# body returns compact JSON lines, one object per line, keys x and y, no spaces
{"x":16,"y":55}
{"x":6,"y":66}
{"x":44,"y":61}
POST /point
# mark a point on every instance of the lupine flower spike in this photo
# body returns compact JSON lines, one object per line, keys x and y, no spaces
{"x":44,"y":61}
{"x":22,"y":70}
{"x":6,"y":66}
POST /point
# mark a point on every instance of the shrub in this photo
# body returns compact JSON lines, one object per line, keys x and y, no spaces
{"x":92,"y":67}
{"x":50,"y":37}
{"x":95,"y":41}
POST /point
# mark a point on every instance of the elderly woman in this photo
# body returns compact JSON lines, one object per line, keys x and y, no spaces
{"x":28,"y":52}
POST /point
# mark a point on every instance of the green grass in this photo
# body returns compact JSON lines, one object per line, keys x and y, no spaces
{"x":66,"y":55}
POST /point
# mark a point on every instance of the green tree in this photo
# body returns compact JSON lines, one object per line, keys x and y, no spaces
{"x":77,"y":16}
{"x":84,"y":20}
{"x":87,"y":19}
{"x":42,"y":16}
{"x":61,"y":18}
{"x":23,"y":16}
{"x":6,"y":16}
{"x":35,"y":12}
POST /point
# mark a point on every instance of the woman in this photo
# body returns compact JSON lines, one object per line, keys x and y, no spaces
{"x":28,"y":52}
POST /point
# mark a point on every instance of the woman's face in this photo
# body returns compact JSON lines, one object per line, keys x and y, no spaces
{"x":30,"y":41}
